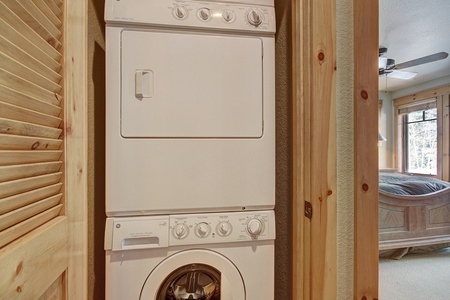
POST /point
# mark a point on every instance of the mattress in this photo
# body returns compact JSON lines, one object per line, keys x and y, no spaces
{"x":402,"y":184}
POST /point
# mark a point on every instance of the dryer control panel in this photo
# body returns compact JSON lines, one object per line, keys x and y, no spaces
{"x":192,"y":14}
{"x":131,"y":233}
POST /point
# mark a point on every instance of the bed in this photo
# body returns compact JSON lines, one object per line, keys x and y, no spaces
{"x":414,"y":212}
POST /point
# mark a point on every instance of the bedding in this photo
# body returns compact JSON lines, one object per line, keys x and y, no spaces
{"x":401,"y":184}
{"x":414,"y":214}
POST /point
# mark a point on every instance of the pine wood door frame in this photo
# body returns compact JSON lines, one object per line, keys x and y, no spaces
{"x":314,"y":240}
{"x":365,"y":26}
{"x":76,"y":143}
{"x":314,"y":90}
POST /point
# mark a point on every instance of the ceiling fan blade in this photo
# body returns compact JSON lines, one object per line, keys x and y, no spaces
{"x":422,"y":60}
{"x":401,"y":74}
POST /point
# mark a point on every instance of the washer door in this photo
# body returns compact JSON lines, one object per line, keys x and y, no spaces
{"x":194,"y":274}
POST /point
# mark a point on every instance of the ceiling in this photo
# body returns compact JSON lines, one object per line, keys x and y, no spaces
{"x":412,"y":29}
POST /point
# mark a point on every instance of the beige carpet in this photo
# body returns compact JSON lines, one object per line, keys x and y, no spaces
{"x":416,"y":276}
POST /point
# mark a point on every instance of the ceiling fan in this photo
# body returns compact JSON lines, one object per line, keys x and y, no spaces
{"x":388,"y":67}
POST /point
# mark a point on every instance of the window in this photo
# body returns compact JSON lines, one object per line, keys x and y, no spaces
{"x":421,"y":141}
{"x":422,"y":133}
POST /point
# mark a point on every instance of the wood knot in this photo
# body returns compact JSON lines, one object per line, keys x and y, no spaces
{"x":68,"y":129}
{"x":364,"y":298}
{"x":330,"y":192}
{"x":19,"y":268}
{"x":364,"y":95}
{"x":19,"y":289}
{"x":35,"y":146}
{"x":51,"y":41}
{"x":365,"y":187}
{"x":321,"y":56}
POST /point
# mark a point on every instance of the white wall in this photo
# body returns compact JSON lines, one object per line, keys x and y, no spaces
{"x":386,"y":122}
{"x":345,"y":148}
{"x":386,"y":128}
{"x":421,"y":87}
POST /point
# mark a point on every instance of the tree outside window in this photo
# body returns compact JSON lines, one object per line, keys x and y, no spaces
{"x":421,"y":141}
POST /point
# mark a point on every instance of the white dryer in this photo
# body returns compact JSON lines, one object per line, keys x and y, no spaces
{"x":199,"y":256}
{"x":190,"y":106}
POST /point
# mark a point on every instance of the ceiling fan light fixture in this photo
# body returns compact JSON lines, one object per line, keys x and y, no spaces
{"x":382,"y":62}
{"x":402,"y":74}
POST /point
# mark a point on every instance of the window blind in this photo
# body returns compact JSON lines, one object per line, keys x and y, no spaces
{"x":31,"y":115}
{"x":418,"y":105}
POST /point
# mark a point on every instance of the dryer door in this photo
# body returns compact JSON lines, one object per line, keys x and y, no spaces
{"x":194,"y":274}
{"x":190,"y":85}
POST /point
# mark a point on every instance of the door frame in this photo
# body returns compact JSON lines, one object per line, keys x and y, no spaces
{"x":314,"y":161}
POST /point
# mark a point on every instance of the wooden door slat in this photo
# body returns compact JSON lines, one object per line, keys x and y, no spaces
{"x":16,"y":216}
{"x":8,"y":126}
{"x":48,"y":12}
{"x":53,"y":7}
{"x":23,"y":199}
{"x":24,"y":185}
{"x":23,"y":14}
{"x":14,"y":232}
{"x":12,"y":19}
{"x":16,"y":98}
{"x":15,"y":157}
{"x":40,"y":17}
{"x":9,"y":173}
{"x":57,"y":2}
{"x":24,"y":86}
{"x":20,"y":56}
{"x":15,"y":37}
{"x":17,"y":142}
{"x":14,"y":112}
{"x":20,"y":70}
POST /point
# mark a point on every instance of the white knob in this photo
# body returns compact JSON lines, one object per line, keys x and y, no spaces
{"x":179,"y":12}
{"x":255,"y":227}
{"x":202,"y":230}
{"x":180,"y":231}
{"x":204,"y":14}
{"x":224,"y":229}
{"x":228,"y":16}
{"x":254,"y":17}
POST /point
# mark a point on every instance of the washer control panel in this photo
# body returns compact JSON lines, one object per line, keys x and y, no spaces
{"x":221,"y":227}
{"x":199,"y":14}
{"x":132,"y":233}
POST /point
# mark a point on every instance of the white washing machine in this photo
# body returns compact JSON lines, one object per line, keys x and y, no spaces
{"x":190,"y":106}
{"x":226,"y":256}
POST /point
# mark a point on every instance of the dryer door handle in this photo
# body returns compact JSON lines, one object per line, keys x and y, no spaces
{"x":144,"y":84}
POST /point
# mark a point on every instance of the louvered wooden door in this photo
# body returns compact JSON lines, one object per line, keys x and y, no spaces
{"x":36,"y":85}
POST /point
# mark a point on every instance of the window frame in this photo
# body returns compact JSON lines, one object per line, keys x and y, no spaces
{"x":415,"y":103}
{"x":406,"y":136}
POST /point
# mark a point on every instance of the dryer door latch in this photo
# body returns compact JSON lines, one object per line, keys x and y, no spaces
{"x":308,"y":209}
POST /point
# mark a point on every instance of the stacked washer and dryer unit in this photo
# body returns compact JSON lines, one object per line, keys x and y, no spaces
{"x":190,"y":149}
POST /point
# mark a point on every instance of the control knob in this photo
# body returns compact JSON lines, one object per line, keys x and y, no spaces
{"x":224,"y":229}
{"x":228,"y":16}
{"x":255,"y":227}
{"x":179,"y":12}
{"x":202,"y":230}
{"x":180,"y":231}
{"x":204,"y":14}
{"x":255,"y":18}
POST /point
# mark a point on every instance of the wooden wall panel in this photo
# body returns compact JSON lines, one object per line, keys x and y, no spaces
{"x":366,"y":148}
{"x":315,"y":270}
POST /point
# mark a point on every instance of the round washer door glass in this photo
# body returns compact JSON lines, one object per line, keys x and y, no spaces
{"x":194,"y":274}
{"x":193,"y":281}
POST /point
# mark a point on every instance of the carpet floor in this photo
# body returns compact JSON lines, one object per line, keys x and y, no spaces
{"x":416,"y":276}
